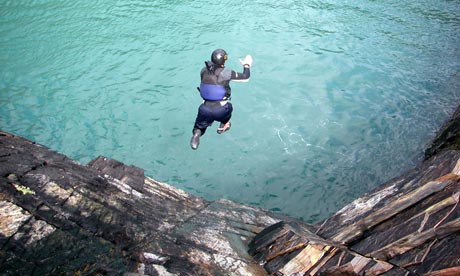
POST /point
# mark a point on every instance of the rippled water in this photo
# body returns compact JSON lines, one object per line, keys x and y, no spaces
{"x":343,"y":95}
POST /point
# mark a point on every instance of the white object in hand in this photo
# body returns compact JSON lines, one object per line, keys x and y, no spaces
{"x":247,"y":60}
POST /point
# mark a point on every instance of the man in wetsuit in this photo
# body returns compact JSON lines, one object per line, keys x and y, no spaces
{"x":215,"y":91}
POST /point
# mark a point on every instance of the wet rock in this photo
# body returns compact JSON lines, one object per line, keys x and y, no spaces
{"x":107,"y":218}
{"x":448,"y":137}
{"x":58,"y":217}
{"x":408,"y":226}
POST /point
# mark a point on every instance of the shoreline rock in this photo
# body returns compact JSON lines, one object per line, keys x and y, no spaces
{"x":448,"y":137}
{"x":407,"y":226}
{"x":58,"y":217}
{"x":107,"y":218}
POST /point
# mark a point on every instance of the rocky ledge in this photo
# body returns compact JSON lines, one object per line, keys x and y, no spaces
{"x":58,"y":217}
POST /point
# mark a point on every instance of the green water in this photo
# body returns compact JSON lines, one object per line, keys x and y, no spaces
{"x":343,"y":95}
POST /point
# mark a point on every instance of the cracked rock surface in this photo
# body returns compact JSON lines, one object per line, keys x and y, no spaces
{"x":408,"y":226}
{"x":58,"y":217}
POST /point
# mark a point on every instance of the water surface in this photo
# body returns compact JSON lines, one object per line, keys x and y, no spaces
{"x":343,"y":96}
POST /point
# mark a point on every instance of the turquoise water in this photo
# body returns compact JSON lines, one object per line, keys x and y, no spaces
{"x":343,"y":96}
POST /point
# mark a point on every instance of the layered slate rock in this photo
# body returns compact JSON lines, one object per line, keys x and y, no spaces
{"x":408,"y":226}
{"x":58,"y":217}
{"x":448,"y":137}
{"x":411,"y":226}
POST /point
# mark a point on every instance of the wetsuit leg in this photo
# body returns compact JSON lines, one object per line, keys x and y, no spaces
{"x":208,"y":114}
{"x":224,"y":114}
{"x":204,"y":119}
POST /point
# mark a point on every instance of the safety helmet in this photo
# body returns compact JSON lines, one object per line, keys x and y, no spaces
{"x":219,"y":57}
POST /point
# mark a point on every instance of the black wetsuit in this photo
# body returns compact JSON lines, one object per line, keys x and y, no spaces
{"x":217,"y":109}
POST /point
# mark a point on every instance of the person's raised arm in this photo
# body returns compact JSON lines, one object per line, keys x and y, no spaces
{"x":243,"y":77}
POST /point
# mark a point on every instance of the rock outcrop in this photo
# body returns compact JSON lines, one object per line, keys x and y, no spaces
{"x":448,"y":137}
{"x":408,"y":226}
{"x":58,"y":217}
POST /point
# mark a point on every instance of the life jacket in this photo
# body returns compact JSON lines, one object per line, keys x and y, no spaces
{"x":210,"y":88}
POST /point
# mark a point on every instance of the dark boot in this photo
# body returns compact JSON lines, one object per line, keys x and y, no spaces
{"x":195,"y":141}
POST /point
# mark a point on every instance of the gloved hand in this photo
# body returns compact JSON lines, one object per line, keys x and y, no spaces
{"x":247,"y":61}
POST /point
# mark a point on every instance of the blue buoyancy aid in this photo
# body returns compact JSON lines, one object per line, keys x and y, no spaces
{"x":212,"y":92}
{"x":211,"y":89}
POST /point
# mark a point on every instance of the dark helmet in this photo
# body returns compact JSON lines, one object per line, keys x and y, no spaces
{"x":219,"y":57}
